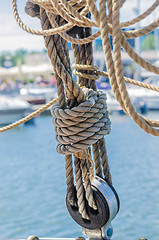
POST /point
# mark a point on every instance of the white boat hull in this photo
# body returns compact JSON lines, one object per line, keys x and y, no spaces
{"x":12,"y":109}
{"x":152,"y":103}
{"x":150,"y":98}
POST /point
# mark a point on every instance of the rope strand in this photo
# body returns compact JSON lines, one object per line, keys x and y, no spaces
{"x":80,"y":117}
{"x":30,"y":116}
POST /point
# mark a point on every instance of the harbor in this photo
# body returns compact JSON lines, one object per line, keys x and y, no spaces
{"x":32,"y":199}
{"x":79,"y":120}
{"x":32,"y":180}
{"x":17,"y":104}
{"x":35,"y":85}
{"x":29,"y":76}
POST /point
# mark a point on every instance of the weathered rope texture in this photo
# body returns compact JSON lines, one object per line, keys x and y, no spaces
{"x":61,"y":94}
{"x":81,"y":126}
{"x":75,"y":14}
{"x":80,"y":116}
{"x":75,"y":129}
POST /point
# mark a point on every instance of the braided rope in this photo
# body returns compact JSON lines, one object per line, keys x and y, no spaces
{"x":70,"y":180}
{"x":105,"y":74}
{"x":61,"y":98}
{"x":81,"y":117}
{"x":104,"y":162}
{"x":153,"y":123}
{"x":119,"y":75}
{"x":80,"y":190}
{"x":142,"y":16}
{"x":120,"y":94}
{"x":96,"y":158}
{"x":77,"y":21}
{"x":27,"y":29}
{"x":142,"y":31}
{"x":87,"y":184}
{"x":69,"y":18}
{"x":48,"y":6}
{"x":77,"y":15}
{"x":89,"y":122}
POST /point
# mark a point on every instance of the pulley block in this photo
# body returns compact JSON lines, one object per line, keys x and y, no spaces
{"x":107,"y":202}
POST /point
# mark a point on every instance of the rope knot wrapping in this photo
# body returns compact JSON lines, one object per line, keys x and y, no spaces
{"x":93,"y":71}
{"x":80,"y":127}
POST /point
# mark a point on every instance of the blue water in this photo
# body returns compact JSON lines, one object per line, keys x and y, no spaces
{"x":32,"y":182}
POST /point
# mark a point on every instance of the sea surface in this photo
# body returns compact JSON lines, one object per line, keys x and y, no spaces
{"x":32,"y":182}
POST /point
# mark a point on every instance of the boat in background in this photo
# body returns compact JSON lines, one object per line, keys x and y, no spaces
{"x":150,"y":97}
{"x":37,"y":95}
{"x":12,"y":109}
{"x":114,"y":107}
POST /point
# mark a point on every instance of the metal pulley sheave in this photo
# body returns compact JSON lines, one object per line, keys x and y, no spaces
{"x":99,"y":223}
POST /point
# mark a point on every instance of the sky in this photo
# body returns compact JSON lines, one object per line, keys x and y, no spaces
{"x":12,"y":37}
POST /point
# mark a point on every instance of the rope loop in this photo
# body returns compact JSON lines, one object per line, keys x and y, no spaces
{"x":93,"y":71}
{"x":80,"y":127}
{"x":75,"y":13}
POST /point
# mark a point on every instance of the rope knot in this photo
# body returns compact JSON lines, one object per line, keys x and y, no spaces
{"x":78,"y":128}
{"x":86,"y":71}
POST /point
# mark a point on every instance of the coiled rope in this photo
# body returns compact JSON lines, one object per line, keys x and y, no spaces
{"x":80,"y":116}
{"x":65,"y":9}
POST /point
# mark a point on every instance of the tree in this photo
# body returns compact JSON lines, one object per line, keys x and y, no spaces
{"x":148,"y":42}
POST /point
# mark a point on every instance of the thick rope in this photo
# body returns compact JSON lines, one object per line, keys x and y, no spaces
{"x":73,"y":22}
{"x":91,"y":84}
{"x":70,"y":181}
{"x":87,"y":184}
{"x":98,"y":73}
{"x":96,"y":158}
{"x":55,"y":48}
{"x":81,"y":117}
{"x":87,"y":56}
{"x":72,"y":89}
{"x":89,"y":122}
{"x":80,"y":190}
{"x":80,"y":193}
{"x":104,"y":157}
{"x":61,"y":97}
{"x":121,"y":96}
{"x":119,"y":75}
{"x":80,"y":57}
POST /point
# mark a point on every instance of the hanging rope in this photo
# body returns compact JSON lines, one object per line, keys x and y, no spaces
{"x":30,"y":116}
{"x":94,"y":76}
{"x":80,"y":116}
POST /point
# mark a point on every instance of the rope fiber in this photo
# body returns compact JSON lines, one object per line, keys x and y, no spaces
{"x":80,"y":116}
